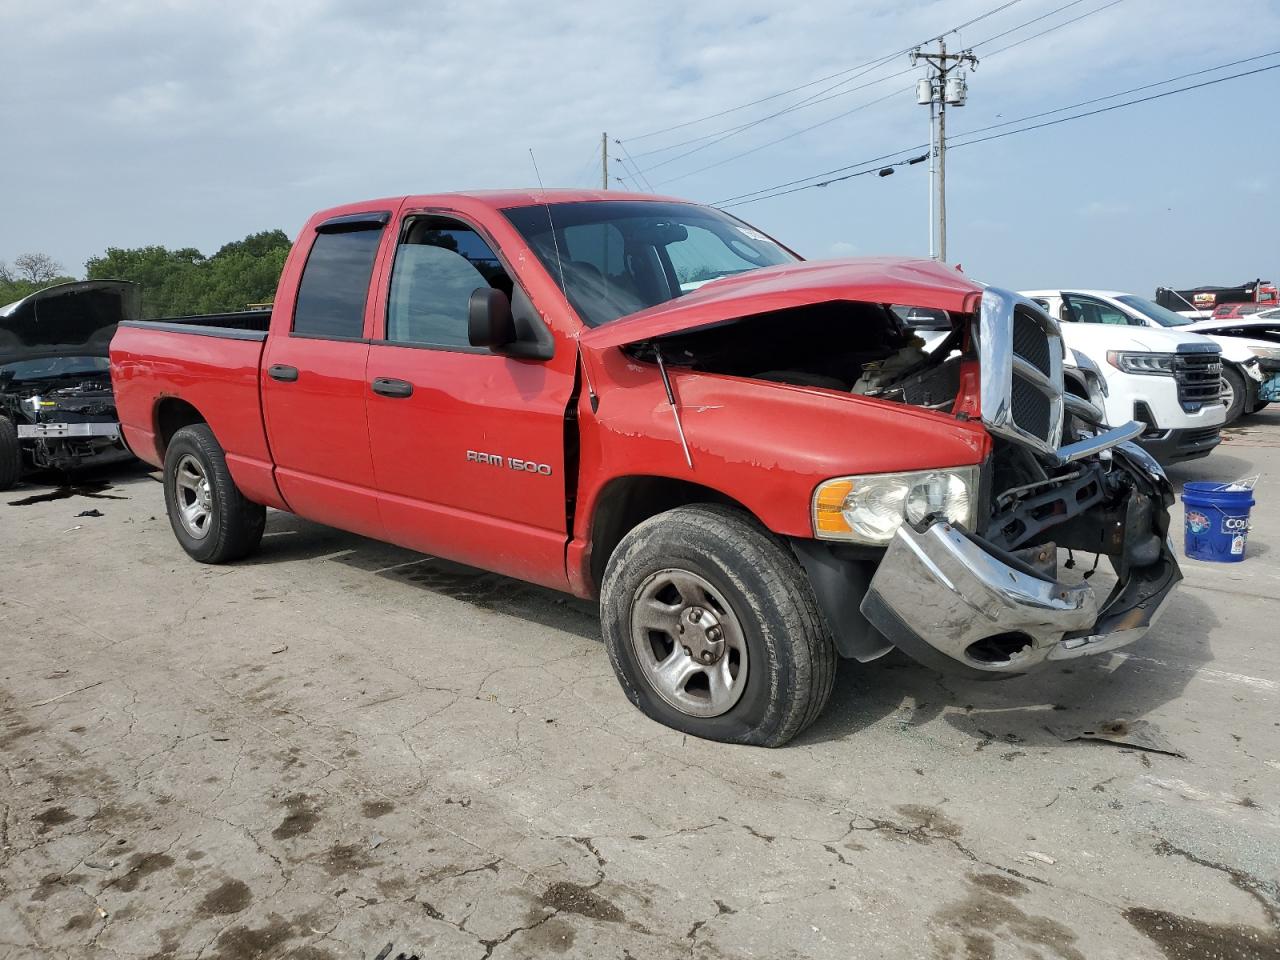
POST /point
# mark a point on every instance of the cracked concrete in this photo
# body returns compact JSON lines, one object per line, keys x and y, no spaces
{"x":340,"y":745}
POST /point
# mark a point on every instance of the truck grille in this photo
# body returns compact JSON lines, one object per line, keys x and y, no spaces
{"x":1020,"y":352}
{"x":1032,"y":410}
{"x":1030,"y":343}
{"x":1199,"y":379}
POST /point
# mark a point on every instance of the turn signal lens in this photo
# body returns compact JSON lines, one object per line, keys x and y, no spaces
{"x":869,"y":509}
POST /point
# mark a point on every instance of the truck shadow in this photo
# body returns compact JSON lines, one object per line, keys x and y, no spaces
{"x":290,"y":538}
{"x":1127,"y":684}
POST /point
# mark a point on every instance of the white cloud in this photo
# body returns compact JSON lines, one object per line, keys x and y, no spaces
{"x":189,"y":123}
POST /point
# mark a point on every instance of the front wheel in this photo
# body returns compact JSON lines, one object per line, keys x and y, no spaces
{"x":713,"y":629}
{"x":1233,"y":394}
{"x":210,"y":516}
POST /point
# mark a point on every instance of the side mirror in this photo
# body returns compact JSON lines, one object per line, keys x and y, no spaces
{"x":489,"y":322}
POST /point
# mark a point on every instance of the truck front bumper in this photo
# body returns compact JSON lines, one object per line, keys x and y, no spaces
{"x":959,"y":605}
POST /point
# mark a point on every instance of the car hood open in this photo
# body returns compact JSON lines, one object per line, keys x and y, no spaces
{"x":913,"y":282}
{"x":75,"y":319}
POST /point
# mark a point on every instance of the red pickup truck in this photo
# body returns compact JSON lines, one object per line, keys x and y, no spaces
{"x":751,"y":460}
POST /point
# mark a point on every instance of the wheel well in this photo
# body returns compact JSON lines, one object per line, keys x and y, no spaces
{"x":172,"y":415}
{"x":627,"y":502}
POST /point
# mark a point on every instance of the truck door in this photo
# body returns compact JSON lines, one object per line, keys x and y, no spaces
{"x":313,"y":377}
{"x":468,"y":446}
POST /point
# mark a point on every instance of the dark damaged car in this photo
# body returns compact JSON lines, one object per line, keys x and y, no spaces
{"x":57,"y":409}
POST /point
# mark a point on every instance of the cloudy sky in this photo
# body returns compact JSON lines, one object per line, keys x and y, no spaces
{"x":133,"y":122}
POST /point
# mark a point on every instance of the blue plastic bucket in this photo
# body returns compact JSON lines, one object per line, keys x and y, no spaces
{"x":1217,"y":521}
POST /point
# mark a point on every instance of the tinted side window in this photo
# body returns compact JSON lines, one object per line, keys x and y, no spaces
{"x":335,"y":284}
{"x":439,"y":264}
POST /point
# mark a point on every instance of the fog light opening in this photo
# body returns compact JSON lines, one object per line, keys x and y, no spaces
{"x":999,"y":648}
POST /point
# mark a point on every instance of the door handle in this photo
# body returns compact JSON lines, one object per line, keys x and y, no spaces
{"x":282,"y":372}
{"x":391,"y":387}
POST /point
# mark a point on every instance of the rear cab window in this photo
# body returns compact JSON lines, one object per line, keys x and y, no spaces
{"x":335,"y":281}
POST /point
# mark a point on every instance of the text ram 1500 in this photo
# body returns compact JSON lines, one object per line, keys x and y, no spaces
{"x":754,"y":475}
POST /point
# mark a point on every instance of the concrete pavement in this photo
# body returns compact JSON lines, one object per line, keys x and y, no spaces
{"x":340,"y":745}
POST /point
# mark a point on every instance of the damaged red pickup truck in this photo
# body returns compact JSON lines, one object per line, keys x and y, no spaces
{"x":749,"y":459}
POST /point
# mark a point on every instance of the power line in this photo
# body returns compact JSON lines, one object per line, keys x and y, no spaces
{"x":772,"y":116}
{"x":1117,"y":106}
{"x":1056,"y":26}
{"x":881,"y":170}
{"x":1122,"y":93}
{"x":633,"y":165}
{"x":1043,"y":16}
{"x":801,"y":184}
{"x":731,"y":201}
{"x":812,"y":100}
{"x":813,"y":83}
{"x":788,"y":136}
{"x":816,"y":98}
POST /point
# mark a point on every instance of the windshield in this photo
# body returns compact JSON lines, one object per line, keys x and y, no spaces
{"x":53,"y":367}
{"x":1161,"y":315}
{"x":621,"y":256}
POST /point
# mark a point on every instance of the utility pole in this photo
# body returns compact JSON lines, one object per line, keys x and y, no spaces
{"x":945,"y":86}
{"x":604,"y":161}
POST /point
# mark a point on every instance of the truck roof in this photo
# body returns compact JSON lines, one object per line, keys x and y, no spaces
{"x":503,"y":199}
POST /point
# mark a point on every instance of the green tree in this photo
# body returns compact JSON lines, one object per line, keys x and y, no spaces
{"x":30,"y":272}
{"x":185,"y":281}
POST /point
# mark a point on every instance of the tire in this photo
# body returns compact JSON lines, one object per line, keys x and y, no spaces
{"x":10,"y":454}
{"x":210,"y":516}
{"x":707,"y":564}
{"x":1233,"y":382}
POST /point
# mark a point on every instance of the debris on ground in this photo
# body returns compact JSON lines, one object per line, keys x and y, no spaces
{"x":1039,"y":857}
{"x":1138,"y":734}
{"x":90,"y":513}
{"x":87,"y":686}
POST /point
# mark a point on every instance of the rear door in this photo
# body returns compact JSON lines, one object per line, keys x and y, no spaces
{"x":468,"y":446}
{"x":313,"y":376}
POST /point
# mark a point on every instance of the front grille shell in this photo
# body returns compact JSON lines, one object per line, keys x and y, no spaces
{"x":1020,"y":352}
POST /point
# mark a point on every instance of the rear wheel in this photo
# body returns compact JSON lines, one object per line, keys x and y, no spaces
{"x":210,"y":516}
{"x":1233,"y":394}
{"x":712,"y":628}
{"x":10,"y":454}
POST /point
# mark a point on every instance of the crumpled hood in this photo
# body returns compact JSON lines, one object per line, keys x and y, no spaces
{"x":75,"y":319}
{"x":914,"y":282}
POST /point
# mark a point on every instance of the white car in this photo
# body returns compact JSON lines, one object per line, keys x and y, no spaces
{"x":1245,"y":359}
{"x":1168,"y":380}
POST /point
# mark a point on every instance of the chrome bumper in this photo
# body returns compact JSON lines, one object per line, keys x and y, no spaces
{"x":53,"y":431}
{"x":939,"y":591}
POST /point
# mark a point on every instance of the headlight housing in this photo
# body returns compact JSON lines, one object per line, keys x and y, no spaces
{"x":869,"y":508}
{"x":1150,"y":364}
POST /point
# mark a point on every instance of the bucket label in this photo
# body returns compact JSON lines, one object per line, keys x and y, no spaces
{"x":1235,"y":525}
{"x":1197,"y":522}
{"x":1237,"y":545}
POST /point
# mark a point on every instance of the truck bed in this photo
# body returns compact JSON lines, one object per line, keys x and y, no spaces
{"x":238,"y":325}
{"x":208,"y":364}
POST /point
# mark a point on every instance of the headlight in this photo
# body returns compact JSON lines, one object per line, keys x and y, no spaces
{"x":869,"y":509}
{"x":1152,"y":364}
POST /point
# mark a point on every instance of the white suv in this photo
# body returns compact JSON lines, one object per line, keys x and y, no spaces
{"x":1168,"y":380}
{"x":1243,"y":359}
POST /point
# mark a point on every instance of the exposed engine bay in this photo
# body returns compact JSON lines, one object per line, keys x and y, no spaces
{"x":66,"y":421}
{"x":1031,"y":504}
{"x":850,"y":347}
{"x":56,"y":399}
